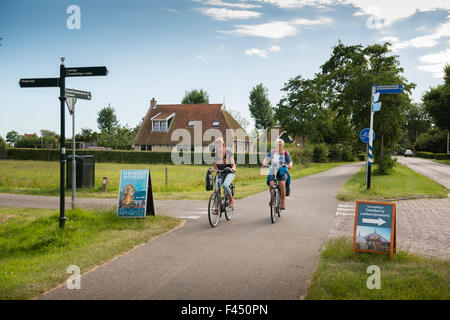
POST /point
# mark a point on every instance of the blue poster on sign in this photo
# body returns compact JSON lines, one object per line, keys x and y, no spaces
{"x":374,"y":227}
{"x":133,"y":193}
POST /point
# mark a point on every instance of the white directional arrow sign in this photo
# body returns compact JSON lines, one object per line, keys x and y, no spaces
{"x":378,"y":221}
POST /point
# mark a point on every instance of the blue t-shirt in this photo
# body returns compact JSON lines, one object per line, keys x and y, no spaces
{"x":277,"y":160}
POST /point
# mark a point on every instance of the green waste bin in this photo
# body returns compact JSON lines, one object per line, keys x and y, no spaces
{"x":85,"y":171}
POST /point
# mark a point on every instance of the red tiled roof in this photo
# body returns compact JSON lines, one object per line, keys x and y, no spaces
{"x":205,"y":113}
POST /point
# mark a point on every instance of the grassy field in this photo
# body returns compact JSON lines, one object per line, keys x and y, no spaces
{"x":341,"y":275}
{"x":447,"y":162}
{"x":400,"y":182}
{"x":35,"y":253}
{"x":184,"y":181}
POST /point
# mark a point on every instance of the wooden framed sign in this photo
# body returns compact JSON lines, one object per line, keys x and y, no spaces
{"x":374,"y":227}
{"x":135,"y":194}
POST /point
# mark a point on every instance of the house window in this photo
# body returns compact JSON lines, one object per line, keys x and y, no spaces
{"x":216,"y":123}
{"x":142,"y":147}
{"x":191,"y":122}
{"x":155,"y":125}
{"x":163,"y":126}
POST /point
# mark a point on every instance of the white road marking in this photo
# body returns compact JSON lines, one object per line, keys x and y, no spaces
{"x":345,"y":206}
{"x":189,"y":217}
{"x":199,"y":212}
{"x":344,"y":214}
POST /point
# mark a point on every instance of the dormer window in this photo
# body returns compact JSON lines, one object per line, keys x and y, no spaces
{"x":216,"y":123}
{"x":191,"y":122}
{"x":155,"y":125}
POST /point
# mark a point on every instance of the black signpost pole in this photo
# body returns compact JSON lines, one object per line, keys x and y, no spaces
{"x":62,"y":152}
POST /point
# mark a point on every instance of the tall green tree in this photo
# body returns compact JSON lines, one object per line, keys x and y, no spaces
{"x":2,"y":144}
{"x":195,"y":97}
{"x":12,"y":137}
{"x":437,"y":102}
{"x":107,"y":120}
{"x":346,"y":80}
{"x":417,"y":122}
{"x":260,"y":107}
{"x":243,"y":122}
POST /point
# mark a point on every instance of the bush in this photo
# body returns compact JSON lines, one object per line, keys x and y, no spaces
{"x":387,"y":162}
{"x":320,"y":153}
{"x":347,"y":153}
{"x":299,"y":154}
{"x":433,"y":141}
{"x":442,"y":156}
{"x":425,"y":154}
{"x":2,"y":144}
{"x":361,"y":156}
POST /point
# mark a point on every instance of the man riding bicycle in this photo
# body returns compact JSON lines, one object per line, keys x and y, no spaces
{"x":279,"y":159}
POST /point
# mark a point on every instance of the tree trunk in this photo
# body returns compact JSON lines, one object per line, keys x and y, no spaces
{"x":382,"y":148}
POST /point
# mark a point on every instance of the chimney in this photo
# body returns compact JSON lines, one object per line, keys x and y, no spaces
{"x":153,"y":103}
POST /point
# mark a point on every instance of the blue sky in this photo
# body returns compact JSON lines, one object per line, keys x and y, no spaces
{"x":162,"y":48}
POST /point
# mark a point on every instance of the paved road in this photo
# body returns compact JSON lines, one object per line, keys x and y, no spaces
{"x":245,"y":258}
{"x":437,"y":171}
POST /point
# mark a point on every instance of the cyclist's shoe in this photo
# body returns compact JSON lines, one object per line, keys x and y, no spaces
{"x":283,"y":207}
{"x":214,"y":211}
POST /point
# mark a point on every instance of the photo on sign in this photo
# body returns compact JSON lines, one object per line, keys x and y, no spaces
{"x":133,"y":193}
{"x":373,"y":238}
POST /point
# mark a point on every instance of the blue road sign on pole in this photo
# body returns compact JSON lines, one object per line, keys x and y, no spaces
{"x":376,"y":106}
{"x":375,"y":97}
{"x":364,"y":135}
{"x":395,"y":88}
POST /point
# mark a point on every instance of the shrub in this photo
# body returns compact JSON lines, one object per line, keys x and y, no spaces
{"x":320,"y":153}
{"x":442,"y":156}
{"x":335,"y":153}
{"x":361,"y":156}
{"x":433,"y":141}
{"x":347,"y":153}
{"x":2,"y":144}
{"x":425,"y":154}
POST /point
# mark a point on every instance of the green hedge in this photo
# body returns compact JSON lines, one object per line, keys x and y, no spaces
{"x":425,"y":154}
{"x":109,"y":156}
{"x":431,"y":155}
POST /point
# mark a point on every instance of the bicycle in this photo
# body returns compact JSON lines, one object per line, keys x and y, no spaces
{"x":275,"y":200}
{"x":216,"y":205}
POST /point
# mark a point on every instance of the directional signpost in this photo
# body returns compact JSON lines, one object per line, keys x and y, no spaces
{"x":364,"y":136}
{"x":72,"y":96}
{"x":375,"y":227}
{"x":374,"y":107}
{"x":61,"y":83}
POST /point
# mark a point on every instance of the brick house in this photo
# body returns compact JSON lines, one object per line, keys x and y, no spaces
{"x":161,"y":120}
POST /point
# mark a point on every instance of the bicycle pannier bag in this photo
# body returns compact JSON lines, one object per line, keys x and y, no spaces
{"x":209,"y":181}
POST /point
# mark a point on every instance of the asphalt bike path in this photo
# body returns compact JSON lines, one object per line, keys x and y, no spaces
{"x":245,"y":258}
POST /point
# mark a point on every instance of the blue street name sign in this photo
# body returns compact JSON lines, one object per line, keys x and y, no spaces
{"x":375,"y":97}
{"x":376,"y":106}
{"x":396,"y":88}
{"x":364,"y":135}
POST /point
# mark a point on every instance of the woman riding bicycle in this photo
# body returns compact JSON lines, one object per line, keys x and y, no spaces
{"x":224,"y":159}
{"x":278,"y":158}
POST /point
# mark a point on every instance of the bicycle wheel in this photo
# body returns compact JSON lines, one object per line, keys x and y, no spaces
{"x":228,"y":212}
{"x":214,"y":207}
{"x":279,"y":203}
{"x":273,"y":205}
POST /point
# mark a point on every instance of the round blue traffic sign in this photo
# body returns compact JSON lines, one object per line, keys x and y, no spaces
{"x":364,"y":135}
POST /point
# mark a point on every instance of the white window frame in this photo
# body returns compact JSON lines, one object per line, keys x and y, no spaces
{"x":216,"y":123}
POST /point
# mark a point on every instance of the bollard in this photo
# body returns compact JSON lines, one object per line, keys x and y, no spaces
{"x":167,"y":180}
{"x":104,"y":183}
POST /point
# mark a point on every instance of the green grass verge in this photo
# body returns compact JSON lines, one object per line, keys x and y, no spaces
{"x":184,"y":181}
{"x":400,"y":182}
{"x":341,"y":275}
{"x":35,"y":253}
{"x":447,"y":162}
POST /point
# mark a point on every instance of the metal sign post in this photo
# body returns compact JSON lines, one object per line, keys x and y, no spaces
{"x":61,"y":83}
{"x":72,"y":95}
{"x":364,"y":136}
{"x":376,"y":106}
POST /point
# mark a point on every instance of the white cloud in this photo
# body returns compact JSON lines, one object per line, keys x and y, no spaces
{"x":435,"y":62}
{"x":228,"y":14}
{"x":427,"y":41}
{"x":220,"y":3}
{"x":275,"y":29}
{"x":389,"y":11}
{"x":274,"y":49}
{"x":201,"y":58}
{"x":257,"y":52}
